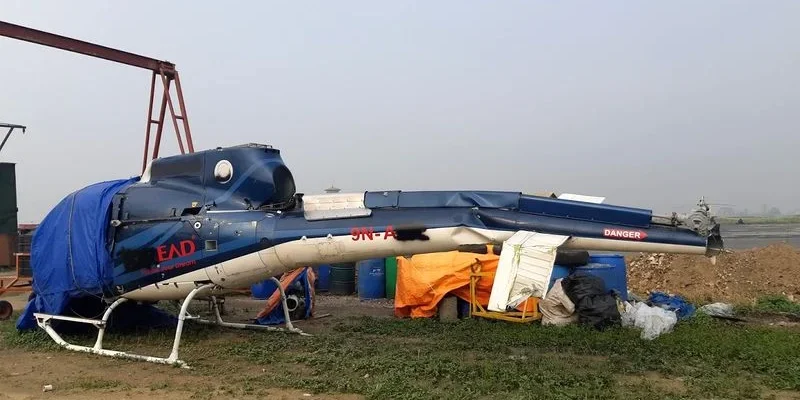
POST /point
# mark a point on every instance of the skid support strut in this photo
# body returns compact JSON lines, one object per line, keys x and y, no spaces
{"x":44,"y":322}
{"x":289,"y":326}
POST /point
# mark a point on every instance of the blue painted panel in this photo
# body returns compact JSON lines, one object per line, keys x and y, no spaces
{"x":484,"y":199}
{"x":510,"y":220}
{"x":237,"y":238}
{"x":381,"y":199}
{"x":180,"y":182}
{"x":609,"y":214}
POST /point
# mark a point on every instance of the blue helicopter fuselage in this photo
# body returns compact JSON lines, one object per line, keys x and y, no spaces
{"x":232,"y":216}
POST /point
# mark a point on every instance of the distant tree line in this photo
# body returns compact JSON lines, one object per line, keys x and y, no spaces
{"x":766,"y":211}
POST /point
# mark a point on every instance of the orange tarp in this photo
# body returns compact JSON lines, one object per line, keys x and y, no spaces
{"x":425,"y":279}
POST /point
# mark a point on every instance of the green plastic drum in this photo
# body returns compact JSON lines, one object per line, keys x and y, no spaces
{"x":343,"y":279}
{"x":391,"y":276}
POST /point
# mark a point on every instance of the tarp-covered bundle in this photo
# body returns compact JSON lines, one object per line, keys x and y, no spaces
{"x":69,"y":253}
{"x":425,"y":279}
{"x":300,"y":283}
{"x":557,"y":308}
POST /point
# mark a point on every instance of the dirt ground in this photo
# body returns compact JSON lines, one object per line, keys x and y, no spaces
{"x":24,"y":374}
{"x":739,"y":277}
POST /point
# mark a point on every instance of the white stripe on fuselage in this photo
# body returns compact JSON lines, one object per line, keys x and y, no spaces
{"x":241,"y":272}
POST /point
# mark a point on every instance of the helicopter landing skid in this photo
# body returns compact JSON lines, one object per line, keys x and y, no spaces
{"x":218,"y":321}
{"x":44,"y":322}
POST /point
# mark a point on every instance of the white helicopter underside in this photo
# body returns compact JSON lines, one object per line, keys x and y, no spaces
{"x":241,"y":272}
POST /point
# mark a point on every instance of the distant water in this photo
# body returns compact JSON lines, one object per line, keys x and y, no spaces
{"x":746,"y":236}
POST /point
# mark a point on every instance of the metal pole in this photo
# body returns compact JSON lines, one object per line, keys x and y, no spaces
{"x":11,"y":128}
{"x":150,"y":121}
{"x":184,"y":115}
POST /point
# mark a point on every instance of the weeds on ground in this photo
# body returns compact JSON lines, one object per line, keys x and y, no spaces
{"x":776,"y":306}
{"x":383,"y":358}
{"x":386,"y":358}
{"x":777,"y":303}
{"x":35,"y":340}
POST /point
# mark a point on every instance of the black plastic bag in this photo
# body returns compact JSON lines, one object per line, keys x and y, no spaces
{"x":595,"y":305}
{"x":598,"y":311}
{"x":580,"y":284}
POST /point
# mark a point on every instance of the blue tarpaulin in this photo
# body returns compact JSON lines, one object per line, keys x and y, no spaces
{"x":676,"y":303}
{"x":69,"y":257}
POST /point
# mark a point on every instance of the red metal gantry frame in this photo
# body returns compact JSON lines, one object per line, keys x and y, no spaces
{"x":161,"y":69}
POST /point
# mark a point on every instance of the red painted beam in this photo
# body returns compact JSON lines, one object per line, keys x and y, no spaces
{"x":81,"y":47}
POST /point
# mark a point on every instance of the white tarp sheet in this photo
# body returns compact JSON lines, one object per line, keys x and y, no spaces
{"x":524,"y":269}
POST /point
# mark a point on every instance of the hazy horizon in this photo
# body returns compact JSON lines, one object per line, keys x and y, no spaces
{"x":648,"y":104}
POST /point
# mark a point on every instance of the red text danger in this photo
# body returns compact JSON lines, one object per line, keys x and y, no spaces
{"x":624,"y":234}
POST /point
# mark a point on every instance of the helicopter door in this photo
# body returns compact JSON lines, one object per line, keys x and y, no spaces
{"x":235,"y":248}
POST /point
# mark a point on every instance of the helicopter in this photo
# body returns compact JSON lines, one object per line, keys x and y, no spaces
{"x":206,"y":224}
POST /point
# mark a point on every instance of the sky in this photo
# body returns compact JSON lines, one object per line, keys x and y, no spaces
{"x":649,"y":104}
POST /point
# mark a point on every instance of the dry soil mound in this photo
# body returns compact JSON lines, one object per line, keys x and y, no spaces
{"x":738,"y":277}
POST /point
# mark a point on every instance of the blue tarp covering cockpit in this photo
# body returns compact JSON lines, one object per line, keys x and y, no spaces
{"x":69,"y":254}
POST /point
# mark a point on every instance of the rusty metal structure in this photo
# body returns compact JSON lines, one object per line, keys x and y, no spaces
{"x":163,"y":71}
{"x":20,"y":279}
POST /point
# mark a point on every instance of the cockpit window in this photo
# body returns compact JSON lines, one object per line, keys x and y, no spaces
{"x":284,"y":185}
{"x":178,"y":167}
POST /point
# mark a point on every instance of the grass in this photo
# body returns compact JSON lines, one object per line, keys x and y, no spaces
{"x":384,"y":358}
{"x":771,"y":304}
{"x":777,"y":303}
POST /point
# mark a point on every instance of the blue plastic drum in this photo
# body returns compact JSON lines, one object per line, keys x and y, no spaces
{"x":372,"y":278}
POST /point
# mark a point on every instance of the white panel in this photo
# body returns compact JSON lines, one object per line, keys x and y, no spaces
{"x":319,"y":215}
{"x":333,"y":206}
{"x":336,"y":201}
{"x":583,"y":198}
{"x":524,"y":269}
